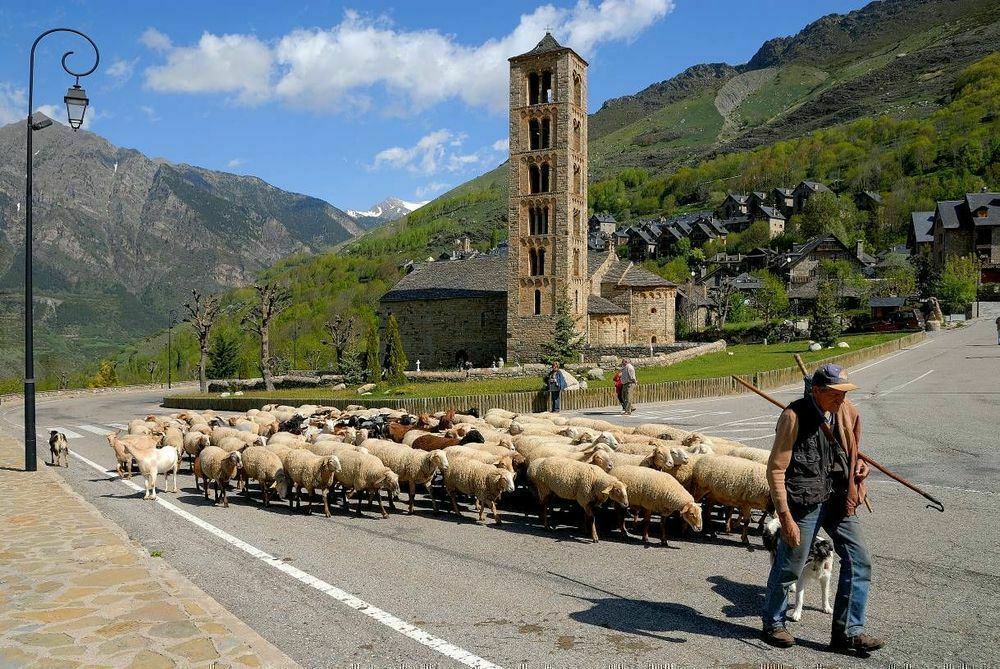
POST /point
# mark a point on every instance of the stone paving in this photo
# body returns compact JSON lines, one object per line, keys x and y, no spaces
{"x":76,"y":592}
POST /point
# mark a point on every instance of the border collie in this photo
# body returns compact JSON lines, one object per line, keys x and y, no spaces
{"x":819,"y":567}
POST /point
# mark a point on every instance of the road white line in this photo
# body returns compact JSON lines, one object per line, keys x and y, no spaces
{"x":765,"y":436}
{"x":749,"y":429}
{"x":890,"y":357}
{"x":902,"y":385}
{"x":118,"y":426}
{"x":96,"y":430}
{"x":406,"y":629}
{"x":732,"y":422}
{"x":70,"y":434}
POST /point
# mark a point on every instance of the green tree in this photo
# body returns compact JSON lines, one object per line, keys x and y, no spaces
{"x":826,"y":324}
{"x":394,"y":354}
{"x":825,"y":213}
{"x":770,"y":301}
{"x":223,"y":357}
{"x":957,"y":286}
{"x":898,"y":278}
{"x":564,"y":347}
{"x":106,"y":376}
{"x":372,"y":355}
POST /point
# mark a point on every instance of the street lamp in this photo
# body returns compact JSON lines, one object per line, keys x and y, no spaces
{"x":76,"y":106}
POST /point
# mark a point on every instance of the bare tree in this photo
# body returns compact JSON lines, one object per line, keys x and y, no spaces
{"x":273,"y":300}
{"x":722,"y":296}
{"x":202,"y":311}
{"x":341,"y":333}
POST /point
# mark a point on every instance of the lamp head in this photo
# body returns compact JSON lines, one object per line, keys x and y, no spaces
{"x":76,"y":106}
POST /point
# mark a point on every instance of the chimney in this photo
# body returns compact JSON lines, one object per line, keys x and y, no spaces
{"x":859,"y":249}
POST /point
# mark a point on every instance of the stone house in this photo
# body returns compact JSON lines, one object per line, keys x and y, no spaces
{"x":775,"y":220}
{"x":602,"y":224}
{"x":920,"y":236}
{"x":783,"y":199}
{"x":802,"y":193}
{"x":735,"y":204}
{"x":966,"y":227}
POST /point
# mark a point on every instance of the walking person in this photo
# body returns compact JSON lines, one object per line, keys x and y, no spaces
{"x":618,"y":389}
{"x":817,"y":480}
{"x":628,"y":385}
{"x":998,"y":330}
{"x":556,"y":383}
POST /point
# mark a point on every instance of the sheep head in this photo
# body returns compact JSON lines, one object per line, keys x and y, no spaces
{"x":281,"y":484}
{"x":602,"y":460}
{"x":515,"y":428}
{"x":617,"y":492}
{"x":679,"y":456}
{"x":236,"y":459}
{"x":439,"y":460}
{"x":473,"y":436}
{"x":389,"y":482}
{"x":691,"y":513}
{"x":331,"y":465}
{"x":606,"y":438}
{"x":661,"y":458}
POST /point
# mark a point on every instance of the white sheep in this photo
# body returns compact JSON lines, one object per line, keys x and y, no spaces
{"x":413,"y":467}
{"x":363,"y":472}
{"x":310,"y":471}
{"x":657,"y":492}
{"x":265,"y":467}
{"x":569,"y":479}
{"x":194,"y":442}
{"x":482,"y":481}
{"x":750,"y":453}
{"x":592,"y":455}
{"x":661,"y":431}
{"x":151,"y":462}
{"x":734,"y":482}
{"x":219,"y":466}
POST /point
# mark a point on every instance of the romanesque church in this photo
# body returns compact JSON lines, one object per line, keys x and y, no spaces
{"x":501,"y":305}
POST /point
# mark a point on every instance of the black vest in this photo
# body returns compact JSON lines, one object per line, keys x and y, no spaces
{"x":807,"y":479}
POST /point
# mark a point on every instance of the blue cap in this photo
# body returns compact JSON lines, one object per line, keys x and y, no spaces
{"x":832,"y":376}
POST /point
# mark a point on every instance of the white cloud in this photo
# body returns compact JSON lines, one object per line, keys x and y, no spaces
{"x":121,"y":70}
{"x":12,"y":104}
{"x":155,"y":40}
{"x":336,"y":69}
{"x":234,"y":163}
{"x":432,"y":188}
{"x":434,"y":153}
{"x":150,"y":113}
{"x":229,"y":63}
{"x":502,"y":145}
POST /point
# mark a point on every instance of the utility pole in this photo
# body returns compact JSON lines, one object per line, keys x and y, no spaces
{"x":170,"y":360}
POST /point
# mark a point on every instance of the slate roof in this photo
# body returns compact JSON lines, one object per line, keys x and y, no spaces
{"x":637,"y":277}
{"x":787,"y":192}
{"x":738,"y":197}
{"x":599,"y":305}
{"x":886,"y":302}
{"x":875,"y":197}
{"x":810,"y":289}
{"x":950,"y":216}
{"x":922,"y":223}
{"x":548,"y":44}
{"x":483,"y":276}
{"x":989,"y":200}
{"x":594,"y":262}
{"x":771,"y":212}
{"x":815,"y":186}
{"x":603,"y":217}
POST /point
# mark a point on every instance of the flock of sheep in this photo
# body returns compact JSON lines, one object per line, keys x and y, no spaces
{"x":358,"y":452}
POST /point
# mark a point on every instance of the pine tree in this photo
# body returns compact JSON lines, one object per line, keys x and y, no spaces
{"x":394,"y":353}
{"x":223,"y":357}
{"x":372,"y":353}
{"x":826,"y":325}
{"x":564,"y":347}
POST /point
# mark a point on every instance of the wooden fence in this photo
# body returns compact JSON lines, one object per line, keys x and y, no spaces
{"x":535,"y":401}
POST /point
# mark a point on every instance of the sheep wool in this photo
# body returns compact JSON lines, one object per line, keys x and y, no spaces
{"x":484,"y":482}
{"x":364,"y":472}
{"x":730,"y":481}
{"x":265,"y":467}
{"x":658,"y":492}
{"x":569,"y":479}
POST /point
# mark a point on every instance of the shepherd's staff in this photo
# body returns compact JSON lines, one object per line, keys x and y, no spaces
{"x":935,"y":503}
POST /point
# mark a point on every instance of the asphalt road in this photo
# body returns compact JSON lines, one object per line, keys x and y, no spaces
{"x":518,"y":596}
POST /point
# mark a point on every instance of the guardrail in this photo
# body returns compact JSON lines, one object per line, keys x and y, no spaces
{"x":535,"y":401}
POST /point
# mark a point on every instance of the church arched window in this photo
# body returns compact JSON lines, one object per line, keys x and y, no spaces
{"x":535,"y":178}
{"x":538,"y":302}
{"x":546,"y":134}
{"x":544,"y":178}
{"x":534,"y":134}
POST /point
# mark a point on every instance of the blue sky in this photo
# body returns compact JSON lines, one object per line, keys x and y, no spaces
{"x":354,"y":101}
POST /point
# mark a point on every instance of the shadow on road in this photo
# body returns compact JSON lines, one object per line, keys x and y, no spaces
{"x":746,"y":599}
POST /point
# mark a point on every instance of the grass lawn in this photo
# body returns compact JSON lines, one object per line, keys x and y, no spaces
{"x":745,"y":359}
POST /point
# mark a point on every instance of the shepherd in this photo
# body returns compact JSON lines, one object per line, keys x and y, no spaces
{"x":556,"y":383}
{"x":818,"y":480}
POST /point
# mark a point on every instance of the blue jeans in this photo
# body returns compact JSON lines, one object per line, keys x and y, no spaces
{"x":555,"y":400}
{"x":855,"y":567}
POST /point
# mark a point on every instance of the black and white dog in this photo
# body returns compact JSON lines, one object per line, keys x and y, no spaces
{"x":819,"y":567}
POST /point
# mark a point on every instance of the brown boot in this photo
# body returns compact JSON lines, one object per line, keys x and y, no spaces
{"x":778,"y":637}
{"x":860,"y":644}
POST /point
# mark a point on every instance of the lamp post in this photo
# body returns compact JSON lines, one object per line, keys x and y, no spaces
{"x":170,"y":362}
{"x":76,"y":106}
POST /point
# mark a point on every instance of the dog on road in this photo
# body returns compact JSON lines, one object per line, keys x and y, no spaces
{"x":58,"y":448}
{"x":819,"y":567}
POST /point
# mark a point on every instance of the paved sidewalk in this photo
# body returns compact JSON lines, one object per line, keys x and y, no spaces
{"x":76,"y":592}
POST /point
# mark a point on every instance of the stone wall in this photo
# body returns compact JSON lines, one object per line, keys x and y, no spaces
{"x":652,"y":316}
{"x":439,"y":333}
{"x":608,"y":330}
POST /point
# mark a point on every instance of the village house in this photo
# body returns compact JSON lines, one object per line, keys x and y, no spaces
{"x":920,"y":236}
{"x":802,"y":193}
{"x":970,"y":226}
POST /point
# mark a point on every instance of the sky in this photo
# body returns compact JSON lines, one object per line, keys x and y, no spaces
{"x":353,"y":101}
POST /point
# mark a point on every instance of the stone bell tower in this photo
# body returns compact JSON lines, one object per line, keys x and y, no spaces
{"x":547,"y":209}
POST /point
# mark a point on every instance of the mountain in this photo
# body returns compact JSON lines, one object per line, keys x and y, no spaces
{"x":120,"y":236}
{"x":389,"y":209}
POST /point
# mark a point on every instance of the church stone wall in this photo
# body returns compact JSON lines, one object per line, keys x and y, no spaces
{"x":439,"y":333}
{"x":651,"y":314}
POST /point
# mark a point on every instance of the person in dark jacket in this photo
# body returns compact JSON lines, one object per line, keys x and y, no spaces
{"x":817,"y":479}
{"x":556,"y":383}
